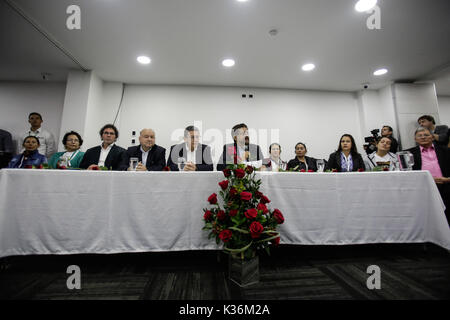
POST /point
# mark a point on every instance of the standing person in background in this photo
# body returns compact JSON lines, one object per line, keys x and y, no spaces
{"x":440,"y":133}
{"x":6,"y":148}
{"x":387,"y":131}
{"x":346,"y":158}
{"x":108,"y":154}
{"x":47,"y":141}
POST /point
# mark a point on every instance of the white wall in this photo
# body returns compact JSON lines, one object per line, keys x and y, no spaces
{"x":287,"y":116}
{"x":444,"y":110}
{"x":19,"y":99}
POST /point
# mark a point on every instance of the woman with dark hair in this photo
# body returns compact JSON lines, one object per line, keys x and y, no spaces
{"x":70,"y":158}
{"x":30,"y":156}
{"x":346,"y":158}
{"x":301,"y":161}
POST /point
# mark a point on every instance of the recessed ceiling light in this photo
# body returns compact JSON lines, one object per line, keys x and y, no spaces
{"x":308,"y":67}
{"x":241,"y":0}
{"x":380,"y":72}
{"x":144,"y":59}
{"x":365,"y":5}
{"x":228,"y":63}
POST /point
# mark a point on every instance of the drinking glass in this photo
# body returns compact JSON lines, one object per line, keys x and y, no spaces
{"x":181,"y":163}
{"x":133,"y":163}
{"x":405,"y":160}
{"x":320,"y":165}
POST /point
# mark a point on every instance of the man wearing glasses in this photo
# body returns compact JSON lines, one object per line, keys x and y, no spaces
{"x":108,"y":154}
{"x":436,"y":159}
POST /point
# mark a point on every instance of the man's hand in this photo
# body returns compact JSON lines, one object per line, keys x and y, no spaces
{"x":441,"y":180}
{"x":190,"y":167}
{"x":141,"y":167}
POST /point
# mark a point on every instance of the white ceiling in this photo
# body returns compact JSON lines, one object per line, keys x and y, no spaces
{"x":187,"y":40}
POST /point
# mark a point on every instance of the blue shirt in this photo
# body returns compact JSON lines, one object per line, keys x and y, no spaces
{"x":21,"y":161}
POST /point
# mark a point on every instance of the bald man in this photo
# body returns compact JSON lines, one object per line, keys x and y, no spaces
{"x":151,"y":157}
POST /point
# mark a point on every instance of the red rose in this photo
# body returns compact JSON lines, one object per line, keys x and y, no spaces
{"x":233,"y":212}
{"x":309,"y":170}
{"x":263,"y":208}
{"x":258,"y":195}
{"x":251,"y":213}
{"x":212,"y":198}
{"x":233,"y":192}
{"x":385,"y":169}
{"x":256,"y":229}
{"x":249,"y":169}
{"x":94,"y":168}
{"x":41,"y":166}
{"x":276,"y":241}
{"x":166,"y":168}
{"x":239,"y":173}
{"x":246,"y":196}
{"x":64,"y":167}
{"x":360,"y":170}
{"x":225,"y":235}
{"x":278,"y":216}
{"x":303,"y":170}
{"x":264,"y":199}
{"x":334,"y":170}
{"x":223,"y":184}
{"x":226,"y":172}
{"x":207,"y":216}
{"x":221,"y":215}
{"x":28,"y":166}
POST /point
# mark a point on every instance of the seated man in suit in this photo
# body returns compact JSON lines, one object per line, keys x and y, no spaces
{"x":108,"y":154}
{"x":151,"y":157}
{"x":436,"y":159}
{"x":197,"y":157}
{"x":241,"y":151}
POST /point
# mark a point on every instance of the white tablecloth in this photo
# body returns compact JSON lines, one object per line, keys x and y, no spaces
{"x":68,"y":212}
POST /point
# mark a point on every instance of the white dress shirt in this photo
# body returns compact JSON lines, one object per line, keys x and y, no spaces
{"x":190,"y":155}
{"x":145,"y":156}
{"x":47,"y":141}
{"x":104,"y":154}
{"x":241,"y":155}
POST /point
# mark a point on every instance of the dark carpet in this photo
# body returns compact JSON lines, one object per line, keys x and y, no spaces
{"x":408,"y":272}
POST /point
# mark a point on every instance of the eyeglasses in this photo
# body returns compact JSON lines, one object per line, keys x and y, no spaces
{"x":73,"y":140}
{"x":419,"y":136}
{"x":109,"y":133}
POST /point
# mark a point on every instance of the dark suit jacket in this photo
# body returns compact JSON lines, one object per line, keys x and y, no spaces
{"x":334,"y":162}
{"x":229,"y":150}
{"x":156,"y":159}
{"x":203,"y":159}
{"x":442,"y":154}
{"x":311,"y":162}
{"x":112,"y":161}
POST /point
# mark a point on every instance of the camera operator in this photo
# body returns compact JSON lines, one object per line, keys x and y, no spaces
{"x":387,"y":131}
{"x":371,"y":142}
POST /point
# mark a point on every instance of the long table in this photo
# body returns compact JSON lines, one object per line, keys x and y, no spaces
{"x":70,"y":211}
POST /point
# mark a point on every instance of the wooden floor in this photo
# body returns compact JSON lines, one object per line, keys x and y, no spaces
{"x":292,"y":272}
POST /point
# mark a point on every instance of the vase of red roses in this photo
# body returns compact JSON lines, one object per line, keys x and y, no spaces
{"x":243,"y":222}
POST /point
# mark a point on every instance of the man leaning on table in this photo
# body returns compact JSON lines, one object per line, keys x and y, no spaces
{"x":436,"y":159}
{"x":151,"y":157}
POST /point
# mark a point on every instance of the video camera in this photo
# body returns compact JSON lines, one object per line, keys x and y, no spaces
{"x":371,"y":141}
